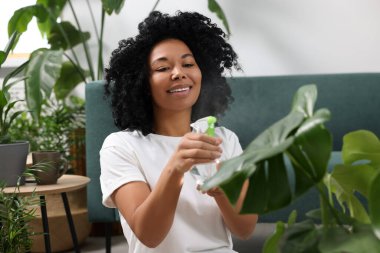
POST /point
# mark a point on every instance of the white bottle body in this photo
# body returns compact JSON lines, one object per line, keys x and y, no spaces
{"x":202,"y":172}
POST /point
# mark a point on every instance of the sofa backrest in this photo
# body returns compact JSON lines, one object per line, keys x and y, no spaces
{"x":353,"y":100}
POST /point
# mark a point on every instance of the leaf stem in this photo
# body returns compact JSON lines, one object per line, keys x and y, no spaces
{"x":100,"y":52}
{"x":155,"y":6}
{"x":327,"y":208}
{"x":84,"y":43}
{"x":93,"y":19}
{"x":76,"y":67}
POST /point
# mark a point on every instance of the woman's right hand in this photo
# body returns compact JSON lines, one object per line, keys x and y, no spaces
{"x":193,"y":149}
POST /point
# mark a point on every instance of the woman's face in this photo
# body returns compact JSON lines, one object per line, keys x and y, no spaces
{"x":175,"y":78}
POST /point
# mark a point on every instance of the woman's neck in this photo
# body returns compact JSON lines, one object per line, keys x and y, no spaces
{"x":172,"y":124}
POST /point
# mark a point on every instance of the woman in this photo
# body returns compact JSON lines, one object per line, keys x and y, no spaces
{"x":161,"y":81}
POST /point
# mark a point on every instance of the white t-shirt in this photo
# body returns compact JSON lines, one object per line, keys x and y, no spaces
{"x":198,"y":225}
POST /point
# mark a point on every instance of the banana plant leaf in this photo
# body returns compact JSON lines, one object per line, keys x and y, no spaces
{"x":213,"y":6}
{"x":296,"y":135}
{"x":54,"y":9}
{"x":43,"y":71}
{"x":21,"y":18}
{"x":69,"y":78}
{"x":113,"y":6}
{"x":64,"y":35}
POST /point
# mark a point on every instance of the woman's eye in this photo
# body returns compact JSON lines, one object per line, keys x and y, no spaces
{"x":188,"y":65}
{"x":162,"y":69}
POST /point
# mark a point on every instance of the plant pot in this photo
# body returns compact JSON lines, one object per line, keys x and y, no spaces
{"x":13,"y":162}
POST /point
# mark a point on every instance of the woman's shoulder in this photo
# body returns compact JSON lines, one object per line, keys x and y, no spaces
{"x":122,"y":137}
{"x":224,"y":132}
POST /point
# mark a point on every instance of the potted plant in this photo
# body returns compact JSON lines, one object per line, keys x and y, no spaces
{"x":12,"y":153}
{"x":15,"y":214}
{"x":59,"y":128}
{"x":62,"y":69}
{"x":343,"y":227}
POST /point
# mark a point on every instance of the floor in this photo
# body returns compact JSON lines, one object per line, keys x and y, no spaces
{"x":97,"y":245}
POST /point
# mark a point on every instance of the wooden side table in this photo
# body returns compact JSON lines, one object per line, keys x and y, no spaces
{"x":65,"y":184}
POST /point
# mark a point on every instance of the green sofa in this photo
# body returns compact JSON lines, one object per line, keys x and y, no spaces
{"x":353,"y":100}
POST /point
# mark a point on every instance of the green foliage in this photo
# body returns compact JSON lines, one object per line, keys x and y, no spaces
{"x":350,"y":226}
{"x":15,"y":214}
{"x":7,"y":112}
{"x":52,"y":132}
{"x":263,"y":163}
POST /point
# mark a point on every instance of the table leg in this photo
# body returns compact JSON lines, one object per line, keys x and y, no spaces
{"x":45,"y":224}
{"x":70,"y":221}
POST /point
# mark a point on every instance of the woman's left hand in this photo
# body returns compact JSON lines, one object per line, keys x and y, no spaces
{"x":215,"y":192}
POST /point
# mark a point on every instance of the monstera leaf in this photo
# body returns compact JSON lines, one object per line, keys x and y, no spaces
{"x":262,"y":162}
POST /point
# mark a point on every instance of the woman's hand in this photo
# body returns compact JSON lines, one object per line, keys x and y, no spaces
{"x":194,"y":149}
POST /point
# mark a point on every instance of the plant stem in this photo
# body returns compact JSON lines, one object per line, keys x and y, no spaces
{"x":93,"y":19}
{"x":155,"y":5}
{"x":76,"y":67}
{"x":100,"y":52}
{"x":327,"y":209}
{"x":88,"y":57}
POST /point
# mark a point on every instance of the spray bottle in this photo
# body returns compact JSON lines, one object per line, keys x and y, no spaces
{"x":201,"y":172}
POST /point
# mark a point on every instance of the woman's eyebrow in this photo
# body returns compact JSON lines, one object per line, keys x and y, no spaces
{"x":163,"y":59}
{"x":187,"y":55}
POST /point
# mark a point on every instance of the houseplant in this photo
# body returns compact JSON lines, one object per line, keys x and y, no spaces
{"x":58,"y":68}
{"x":302,"y":137}
{"x":60,"y":128}
{"x":12,"y":153}
{"x":15,"y":214}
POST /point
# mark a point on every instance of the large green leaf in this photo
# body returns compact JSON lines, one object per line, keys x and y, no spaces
{"x":14,"y":73}
{"x":268,"y":144}
{"x":345,"y":180}
{"x":271,"y":244}
{"x":10,"y":45}
{"x":374,"y":204}
{"x":338,"y":240}
{"x":21,"y":18}
{"x":299,"y":134}
{"x":301,"y":237}
{"x":213,"y":6}
{"x":68,"y":79}
{"x":54,"y":7}
{"x":113,"y":6}
{"x":304,"y":100}
{"x":361,"y":145}
{"x":3,"y":56}
{"x":43,"y":71}
{"x":57,"y":38}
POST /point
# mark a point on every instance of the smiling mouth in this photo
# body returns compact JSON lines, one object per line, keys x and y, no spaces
{"x":179,"y":90}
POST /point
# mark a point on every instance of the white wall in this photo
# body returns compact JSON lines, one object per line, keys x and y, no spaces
{"x":280,"y":37}
{"x":271,"y":37}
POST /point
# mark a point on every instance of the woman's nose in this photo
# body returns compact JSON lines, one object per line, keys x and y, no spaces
{"x":178,"y":74}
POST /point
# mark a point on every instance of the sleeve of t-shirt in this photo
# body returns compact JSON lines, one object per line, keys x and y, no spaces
{"x":119,"y":166}
{"x":234,"y":144}
{"x":231,"y":144}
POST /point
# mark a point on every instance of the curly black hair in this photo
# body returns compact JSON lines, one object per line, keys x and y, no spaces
{"x":127,"y":77}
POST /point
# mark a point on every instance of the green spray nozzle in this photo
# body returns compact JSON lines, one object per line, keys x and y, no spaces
{"x":211,"y":120}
